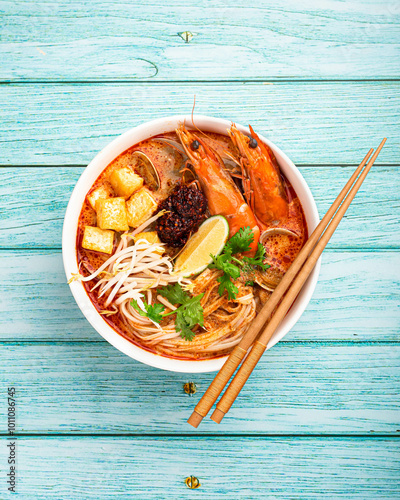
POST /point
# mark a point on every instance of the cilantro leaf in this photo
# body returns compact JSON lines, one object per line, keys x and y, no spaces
{"x":223,"y":263}
{"x":233,"y":266}
{"x":188,"y":315}
{"x":175,"y":294}
{"x":227,"y":284}
{"x":190,"y":312}
{"x":221,"y":260}
{"x":153,"y":312}
{"x":232,"y":270}
{"x":182,"y":328}
{"x":193,"y":312}
{"x":258,"y":258}
{"x":241,"y":241}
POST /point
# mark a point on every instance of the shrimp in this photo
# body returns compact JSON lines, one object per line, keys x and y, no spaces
{"x":223,"y":196}
{"x":262,"y":183}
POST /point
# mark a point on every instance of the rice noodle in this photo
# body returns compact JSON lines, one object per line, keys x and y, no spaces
{"x":225,"y":322}
{"x":136,"y":270}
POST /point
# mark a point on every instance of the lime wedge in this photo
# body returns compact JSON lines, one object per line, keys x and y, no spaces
{"x":210,"y":238}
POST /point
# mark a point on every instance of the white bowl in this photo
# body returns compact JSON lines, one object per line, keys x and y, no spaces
{"x":90,"y":174}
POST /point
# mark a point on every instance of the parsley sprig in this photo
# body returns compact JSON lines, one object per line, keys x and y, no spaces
{"x":241,"y":241}
{"x":257,"y":260}
{"x":233,"y":266}
{"x":153,"y":312}
{"x":188,"y":314}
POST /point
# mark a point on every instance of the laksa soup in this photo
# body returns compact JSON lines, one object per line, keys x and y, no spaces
{"x":183,"y":238}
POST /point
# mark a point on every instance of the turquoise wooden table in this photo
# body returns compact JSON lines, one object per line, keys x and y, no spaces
{"x":320,"y":416}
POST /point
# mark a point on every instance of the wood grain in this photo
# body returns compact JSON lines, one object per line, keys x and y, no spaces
{"x":33,"y":203}
{"x":231,"y":40}
{"x":315,"y":388}
{"x":313,"y":123}
{"x":149,"y":468}
{"x":356,"y":299}
{"x":321,"y":79}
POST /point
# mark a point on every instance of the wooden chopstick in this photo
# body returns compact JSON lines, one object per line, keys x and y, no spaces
{"x":237,"y":355}
{"x":260,"y":345}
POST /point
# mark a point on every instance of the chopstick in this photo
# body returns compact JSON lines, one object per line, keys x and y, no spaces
{"x":260,"y":345}
{"x":239,"y":352}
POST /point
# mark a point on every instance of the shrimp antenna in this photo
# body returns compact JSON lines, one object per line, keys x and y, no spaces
{"x":229,"y":155}
{"x":194,"y":104}
{"x":209,"y":139}
{"x":194,"y":125}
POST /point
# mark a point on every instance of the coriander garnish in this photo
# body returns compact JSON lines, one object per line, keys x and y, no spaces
{"x":188,"y":314}
{"x":232,"y":266}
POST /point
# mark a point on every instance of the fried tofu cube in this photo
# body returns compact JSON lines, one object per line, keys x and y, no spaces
{"x":101,"y":193}
{"x":99,"y":240}
{"x":111,"y":214}
{"x":151,"y":237}
{"x":140,"y":207}
{"x":125,"y":182}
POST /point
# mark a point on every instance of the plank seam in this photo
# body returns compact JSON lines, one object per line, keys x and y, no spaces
{"x":332,"y":249}
{"x":286,"y":342}
{"x":299,"y":165}
{"x":138,"y":81}
{"x":204,"y":435}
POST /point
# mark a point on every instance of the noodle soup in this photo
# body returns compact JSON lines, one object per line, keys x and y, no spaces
{"x":147,"y":226}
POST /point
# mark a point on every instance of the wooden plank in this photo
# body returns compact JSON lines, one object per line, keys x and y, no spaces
{"x":313,"y":123}
{"x":156,"y":468}
{"x":357,"y":299}
{"x":314,"y":388}
{"x":33,"y":203}
{"x":231,"y":40}
{"x":239,"y":468}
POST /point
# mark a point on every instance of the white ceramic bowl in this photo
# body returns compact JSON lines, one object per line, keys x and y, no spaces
{"x":90,"y":174}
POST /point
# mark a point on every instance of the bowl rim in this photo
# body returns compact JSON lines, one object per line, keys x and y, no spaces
{"x":86,"y":180}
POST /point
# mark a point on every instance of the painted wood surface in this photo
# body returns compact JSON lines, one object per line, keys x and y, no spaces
{"x":144,"y":468}
{"x":314,"y":123}
{"x":33,"y":203}
{"x":312,"y":388}
{"x":116,"y":40}
{"x":320,"y":417}
{"x":357,"y":299}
